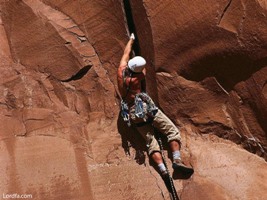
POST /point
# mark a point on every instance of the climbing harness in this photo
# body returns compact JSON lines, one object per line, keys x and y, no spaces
{"x":144,"y":107}
{"x":143,"y":104}
{"x":170,"y":184}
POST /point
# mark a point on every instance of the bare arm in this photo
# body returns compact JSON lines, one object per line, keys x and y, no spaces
{"x":123,"y":63}
{"x":127,"y":51}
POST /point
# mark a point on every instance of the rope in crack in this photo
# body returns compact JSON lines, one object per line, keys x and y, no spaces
{"x":138,"y":110}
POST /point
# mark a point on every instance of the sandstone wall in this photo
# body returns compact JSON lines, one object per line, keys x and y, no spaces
{"x":60,"y":133}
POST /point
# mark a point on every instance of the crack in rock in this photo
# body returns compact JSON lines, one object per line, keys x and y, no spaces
{"x":232,"y":19}
{"x":224,"y":11}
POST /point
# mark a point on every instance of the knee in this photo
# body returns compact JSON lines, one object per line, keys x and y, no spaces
{"x":156,"y":157}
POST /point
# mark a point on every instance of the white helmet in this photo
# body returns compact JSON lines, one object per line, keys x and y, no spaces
{"x":137,"y":64}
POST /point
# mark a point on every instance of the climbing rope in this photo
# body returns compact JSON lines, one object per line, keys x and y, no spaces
{"x":173,"y":192}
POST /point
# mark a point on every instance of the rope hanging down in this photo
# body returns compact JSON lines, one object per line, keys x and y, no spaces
{"x":169,"y":183}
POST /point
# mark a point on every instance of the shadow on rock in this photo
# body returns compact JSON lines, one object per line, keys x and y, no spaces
{"x":131,"y":138}
{"x":178,"y":175}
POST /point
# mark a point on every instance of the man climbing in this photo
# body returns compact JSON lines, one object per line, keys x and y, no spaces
{"x":139,"y":110}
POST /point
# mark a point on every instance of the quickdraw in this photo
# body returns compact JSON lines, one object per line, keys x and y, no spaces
{"x":125,"y":113}
{"x":151,"y":109}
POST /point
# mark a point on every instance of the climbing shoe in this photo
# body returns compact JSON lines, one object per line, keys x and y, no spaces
{"x":178,"y":166}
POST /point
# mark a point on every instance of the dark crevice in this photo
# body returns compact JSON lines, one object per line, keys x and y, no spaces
{"x":131,"y":25}
{"x":137,"y":22}
{"x":79,"y":74}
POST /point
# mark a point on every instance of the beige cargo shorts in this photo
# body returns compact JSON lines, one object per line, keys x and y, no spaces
{"x":164,"y":125}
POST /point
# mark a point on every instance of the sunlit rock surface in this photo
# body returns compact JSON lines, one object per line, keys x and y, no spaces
{"x":60,"y":133}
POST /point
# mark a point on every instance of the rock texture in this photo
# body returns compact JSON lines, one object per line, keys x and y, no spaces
{"x":60,"y":133}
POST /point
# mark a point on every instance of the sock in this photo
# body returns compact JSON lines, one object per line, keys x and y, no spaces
{"x":161,"y":167}
{"x":176,"y":155}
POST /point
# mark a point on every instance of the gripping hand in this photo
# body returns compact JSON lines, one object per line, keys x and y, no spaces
{"x":132,"y":36}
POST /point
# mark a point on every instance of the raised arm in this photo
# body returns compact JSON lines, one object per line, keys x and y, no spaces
{"x":127,"y":51}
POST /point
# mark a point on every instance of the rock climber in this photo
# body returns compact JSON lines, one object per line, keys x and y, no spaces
{"x":139,"y":110}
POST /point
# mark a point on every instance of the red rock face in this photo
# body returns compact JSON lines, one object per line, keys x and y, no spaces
{"x":60,"y":133}
{"x":210,"y":64}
